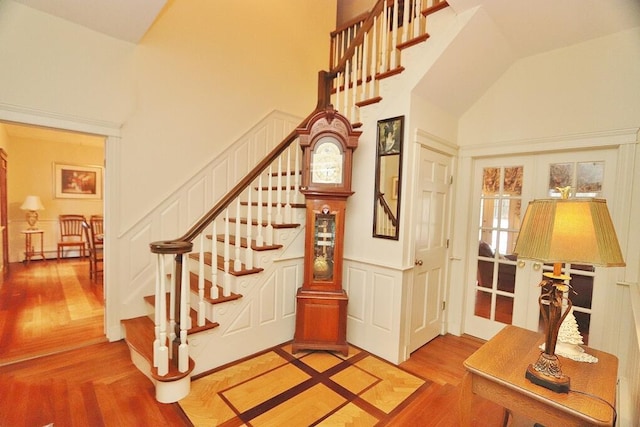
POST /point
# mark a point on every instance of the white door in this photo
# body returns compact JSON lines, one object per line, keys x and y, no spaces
{"x":501,"y":289}
{"x":432,"y":204}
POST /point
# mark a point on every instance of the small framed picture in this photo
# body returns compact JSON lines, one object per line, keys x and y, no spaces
{"x":390,"y":136}
{"x":77,"y":181}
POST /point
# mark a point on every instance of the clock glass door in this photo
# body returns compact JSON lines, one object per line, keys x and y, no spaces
{"x":324,"y":238}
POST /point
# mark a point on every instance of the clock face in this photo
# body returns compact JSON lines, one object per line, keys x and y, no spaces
{"x":327,"y":162}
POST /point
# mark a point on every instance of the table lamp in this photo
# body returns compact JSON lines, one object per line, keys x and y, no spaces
{"x":556,"y":231}
{"x":32,"y":205}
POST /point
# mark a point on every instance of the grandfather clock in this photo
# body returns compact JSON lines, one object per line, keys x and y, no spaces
{"x":327,"y":142}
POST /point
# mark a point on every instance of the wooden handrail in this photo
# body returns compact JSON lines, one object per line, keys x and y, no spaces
{"x":387,"y":209}
{"x":183,"y":244}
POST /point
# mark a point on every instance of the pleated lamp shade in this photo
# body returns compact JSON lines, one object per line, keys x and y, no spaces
{"x":577,"y":231}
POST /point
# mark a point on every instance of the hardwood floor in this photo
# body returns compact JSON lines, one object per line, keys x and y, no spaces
{"x":49,"y":306}
{"x":55,"y":307}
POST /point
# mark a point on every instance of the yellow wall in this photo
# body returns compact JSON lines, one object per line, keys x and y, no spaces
{"x":30,"y":172}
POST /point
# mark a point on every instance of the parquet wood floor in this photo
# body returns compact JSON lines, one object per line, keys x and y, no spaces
{"x":98,"y":385}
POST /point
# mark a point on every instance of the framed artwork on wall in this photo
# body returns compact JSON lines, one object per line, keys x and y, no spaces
{"x":77,"y":181}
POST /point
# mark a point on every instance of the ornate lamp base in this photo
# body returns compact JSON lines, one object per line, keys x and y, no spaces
{"x":547,"y":373}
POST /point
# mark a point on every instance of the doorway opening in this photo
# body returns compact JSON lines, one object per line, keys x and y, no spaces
{"x":52,"y":303}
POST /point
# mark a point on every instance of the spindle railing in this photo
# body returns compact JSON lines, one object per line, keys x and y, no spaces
{"x":367,"y":49}
{"x":362,"y":52}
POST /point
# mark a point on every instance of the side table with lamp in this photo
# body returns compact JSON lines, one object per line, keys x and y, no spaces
{"x":32,"y":204}
{"x":577,"y":231}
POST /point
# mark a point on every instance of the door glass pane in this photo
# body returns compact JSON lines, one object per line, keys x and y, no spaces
{"x":504,"y":309}
{"x":499,"y":222}
{"x":584,"y":178}
{"x":513,"y":181}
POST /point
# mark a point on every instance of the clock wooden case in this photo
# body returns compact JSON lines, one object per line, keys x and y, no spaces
{"x":327,"y":142}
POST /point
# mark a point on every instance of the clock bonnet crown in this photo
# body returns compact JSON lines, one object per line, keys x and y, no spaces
{"x":327,"y":124}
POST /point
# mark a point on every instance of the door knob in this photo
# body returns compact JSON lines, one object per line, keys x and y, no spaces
{"x":418,"y":262}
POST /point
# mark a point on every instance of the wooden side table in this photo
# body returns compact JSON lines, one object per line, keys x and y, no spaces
{"x":496,"y":371}
{"x":29,"y":250}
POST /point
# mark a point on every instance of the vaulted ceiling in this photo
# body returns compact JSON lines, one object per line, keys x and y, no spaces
{"x":126,"y":20}
{"x":502,"y":32}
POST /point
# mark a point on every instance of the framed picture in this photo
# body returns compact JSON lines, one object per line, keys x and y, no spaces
{"x":390,"y":136}
{"x":77,"y":181}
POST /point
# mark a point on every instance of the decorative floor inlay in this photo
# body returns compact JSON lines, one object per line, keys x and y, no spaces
{"x":309,"y":388}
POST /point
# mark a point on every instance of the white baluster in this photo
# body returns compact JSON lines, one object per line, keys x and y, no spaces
{"x":296,"y":169}
{"x":171,"y":312}
{"x":279,"y":217}
{"x":237,"y":262}
{"x":337,"y":96}
{"x":163,"y":352}
{"x":374,"y":58}
{"x":248,"y":260}
{"x":185,"y":285}
{"x":394,"y":37}
{"x":260,"y":237}
{"x":226,"y":283}
{"x":158,"y":310}
{"x":417,"y":18}
{"x":365,"y":67}
{"x":201,"y":306}
{"x":183,"y":350}
{"x":347,"y":76}
{"x":384,"y":35}
{"x":354,"y":85}
{"x":405,"y":22}
{"x":269,"y":229}
{"x":214,"y":293}
{"x":287,"y":206}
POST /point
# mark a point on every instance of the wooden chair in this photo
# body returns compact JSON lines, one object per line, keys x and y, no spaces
{"x":96,"y":256}
{"x":71,"y":235}
{"x":97,"y":229}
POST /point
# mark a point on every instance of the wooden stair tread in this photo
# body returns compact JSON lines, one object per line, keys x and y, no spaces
{"x":243,"y":243}
{"x":151,"y":300}
{"x":193,"y":284}
{"x":140,"y":336}
{"x":220,"y":264}
{"x":293,"y":205}
{"x":265,"y":223}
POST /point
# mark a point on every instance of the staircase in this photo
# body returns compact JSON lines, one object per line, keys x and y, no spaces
{"x":229,"y":282}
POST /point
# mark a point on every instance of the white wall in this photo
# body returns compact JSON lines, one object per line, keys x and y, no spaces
{"x":589,"y":87}
{"x":52,"y":66}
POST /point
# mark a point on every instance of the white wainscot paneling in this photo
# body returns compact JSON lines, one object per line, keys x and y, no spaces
{"x":140,"y":258}
{"x":382,"y":301}
{"x":220,"y":180}
{"x":242,"y":321}
{"x":357,"y":295}
{"x":374,"y":309}
{"x":196,"y":200}
{"x":268,"y":300}
{"x":170,"y":220}
{"x":290,"y":283}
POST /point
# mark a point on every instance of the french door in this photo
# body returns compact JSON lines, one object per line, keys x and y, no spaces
{"x":502,"y":289}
